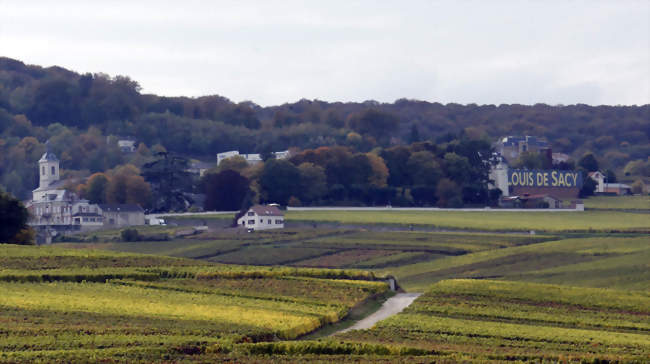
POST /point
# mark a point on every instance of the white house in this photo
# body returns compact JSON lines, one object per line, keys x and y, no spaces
{"x":126,"y":145}
{"x":609,"y":188}
{"x":600,"y":180}
{"x":250,"y":158}
{"x":261,"y":217}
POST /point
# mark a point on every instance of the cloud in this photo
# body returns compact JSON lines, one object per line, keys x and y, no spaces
{"x":272,"y":52}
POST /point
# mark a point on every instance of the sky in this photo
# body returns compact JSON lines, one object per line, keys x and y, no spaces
{"x":272,"y":52}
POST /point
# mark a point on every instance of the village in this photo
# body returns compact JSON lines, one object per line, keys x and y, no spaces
{"x":56,"y":210}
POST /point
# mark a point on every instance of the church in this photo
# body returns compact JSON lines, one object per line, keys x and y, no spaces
{"x":54,"y":208}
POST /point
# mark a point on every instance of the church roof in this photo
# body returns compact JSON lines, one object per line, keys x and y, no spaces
{"x":48,"y":156}
{"x":55,"y":185}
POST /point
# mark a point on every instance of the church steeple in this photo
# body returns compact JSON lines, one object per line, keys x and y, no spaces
{"x":48,"y":167}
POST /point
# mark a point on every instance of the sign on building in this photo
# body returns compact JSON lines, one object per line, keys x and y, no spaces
{"x":544,"y":178}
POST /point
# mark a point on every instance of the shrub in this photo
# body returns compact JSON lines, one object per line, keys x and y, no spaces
{"x":130,"y":235}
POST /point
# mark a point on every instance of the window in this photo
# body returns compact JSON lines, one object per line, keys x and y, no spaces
{"x":251,"y":222}
{"x":278,"y":222}
{"x":53,"y":170}
{"x":251,"y":214}
{"x":269,"y":222}
{"x":43,"y":170}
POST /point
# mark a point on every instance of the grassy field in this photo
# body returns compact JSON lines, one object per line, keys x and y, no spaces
{"x":587,"y":221}
{"x":467,"y":320}
{"x":618,"y":203}
{"x":593,"y":262}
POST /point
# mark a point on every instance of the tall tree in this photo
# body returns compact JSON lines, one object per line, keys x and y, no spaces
{"x":313,"y":182}
{"x":170,"y":182}
{"x":95,"y":190}
{"x":225,"y":191}
{"x":424,"y":169}
{"x":279,"y":181}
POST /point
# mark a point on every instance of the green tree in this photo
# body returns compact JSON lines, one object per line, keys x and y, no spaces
{"x":588,"y":162}
{"x":378,"y":124}
{"x":236,"y":163}
{"x":458,"y":167}
{"x":313,"y":182}
{"x":279,"y":181}
{"x":169,"y":181}
{"x":588,"y":187}
{"x":13,"y":219}
{"x":225,"y":191}
{"x":424,"y":169}
{"x":96,"y":188}
{"x":449,"y":194}
{"x":529,"y":160}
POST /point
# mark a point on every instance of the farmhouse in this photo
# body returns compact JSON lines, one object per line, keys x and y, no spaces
{"x":605,"y":188}
{"x":260,"y":217}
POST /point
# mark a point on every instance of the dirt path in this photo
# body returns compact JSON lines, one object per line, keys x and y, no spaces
{"x":392,"y":306}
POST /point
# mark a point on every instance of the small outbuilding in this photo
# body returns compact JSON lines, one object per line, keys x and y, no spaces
{"x":120,"y":215}
{"x":262,"y":217}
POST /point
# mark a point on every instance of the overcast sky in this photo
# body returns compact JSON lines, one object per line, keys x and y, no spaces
{"x":272,"y":52}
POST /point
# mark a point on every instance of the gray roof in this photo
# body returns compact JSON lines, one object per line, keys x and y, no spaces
{"x":120,"y":208}
{"x":94,"y":214}
{"x":48,"y":156}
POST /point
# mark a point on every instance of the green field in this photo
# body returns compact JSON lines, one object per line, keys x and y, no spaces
{"x":587,"y":221}
{"x":593,"y":262}
{"x":618,"y":203}
{"x":479,"y":320}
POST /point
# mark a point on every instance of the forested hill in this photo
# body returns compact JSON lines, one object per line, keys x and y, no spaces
{"x":67,"y":107}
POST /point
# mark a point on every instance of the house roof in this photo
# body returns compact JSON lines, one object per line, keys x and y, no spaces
{"x":267,"y":210}
{"x":94,"y":214}
{"x":530,"y":197}
{"x":120,"y":208}
{"x":616,"y":185}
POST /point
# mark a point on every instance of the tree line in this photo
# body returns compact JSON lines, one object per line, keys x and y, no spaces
{"x":81,"y":114}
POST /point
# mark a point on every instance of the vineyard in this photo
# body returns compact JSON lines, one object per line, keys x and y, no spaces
{"x":82,"y":305}
{"x":479,"y":320}
{"x":571,"y":293}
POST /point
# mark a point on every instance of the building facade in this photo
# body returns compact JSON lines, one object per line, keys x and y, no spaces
{"x":511,"y":147}
{"x":250,"y":158}
{"x":260,"y":217}
{"x":54,"y":208}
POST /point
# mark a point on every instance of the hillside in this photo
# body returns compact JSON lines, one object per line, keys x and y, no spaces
{"x":77,"y":112}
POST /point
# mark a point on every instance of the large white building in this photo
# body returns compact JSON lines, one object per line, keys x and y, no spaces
{"x":250,"y":158}
{"x":54,"y":207}
{"x":261,"y":217}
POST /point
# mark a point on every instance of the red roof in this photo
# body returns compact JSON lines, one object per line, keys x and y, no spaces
{"x":262,"y":210}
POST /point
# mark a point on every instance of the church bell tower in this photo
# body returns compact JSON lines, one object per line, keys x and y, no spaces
{"x":48,"y":168}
